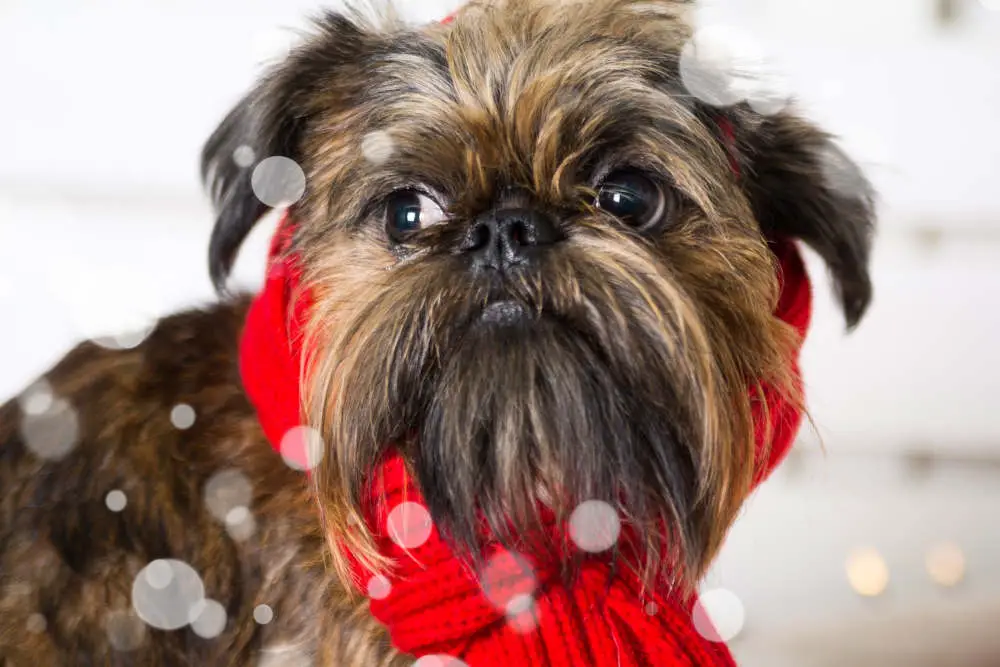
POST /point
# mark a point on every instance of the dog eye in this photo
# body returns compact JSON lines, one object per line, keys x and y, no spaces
{"x":632,"y":198}
{"x":410,"y":211}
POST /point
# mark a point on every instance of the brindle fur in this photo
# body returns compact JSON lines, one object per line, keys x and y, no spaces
{"x":629,"y":383}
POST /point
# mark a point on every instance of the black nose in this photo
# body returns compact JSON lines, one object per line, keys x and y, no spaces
{"x":509,"y":237}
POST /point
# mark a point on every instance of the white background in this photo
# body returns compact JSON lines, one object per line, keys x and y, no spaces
{"x":106,"y":105}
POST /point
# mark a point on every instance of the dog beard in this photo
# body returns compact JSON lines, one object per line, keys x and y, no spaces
{"x":586,"y":377}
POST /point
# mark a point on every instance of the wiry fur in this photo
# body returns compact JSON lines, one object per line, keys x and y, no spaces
{"x":631,"y":381}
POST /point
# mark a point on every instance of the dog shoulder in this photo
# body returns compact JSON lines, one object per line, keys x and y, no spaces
{"x":106,"y":464}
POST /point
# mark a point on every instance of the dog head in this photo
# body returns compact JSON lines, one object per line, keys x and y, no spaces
{"x":537,"y":264}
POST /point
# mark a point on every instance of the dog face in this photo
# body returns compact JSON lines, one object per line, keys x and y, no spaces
{"x":533,"y":266}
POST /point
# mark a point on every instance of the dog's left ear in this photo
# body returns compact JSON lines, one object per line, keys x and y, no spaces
{"x":271,"y":121}
{"x":801,"y":185}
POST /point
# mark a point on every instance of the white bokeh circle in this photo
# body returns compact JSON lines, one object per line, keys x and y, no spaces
{"x":594,"y":526}
{"x":506,"y":576}
{"x":378,"y":147}
{"x":718,"y":615}
{"x":166,"y":592}
{"x":36,"y":624}
{"x":36,"y":399}
{"x":722,"y":65}
{"x":867,"y":572}
{"x":945,"y":564}
{"x":208,"y":619}
{"x":379,"y":587}
{"x":244,"y":156}
{"x":126,"y":631}
{"x":116,"y":500}
{"x":302,"y":448}
{"x":278,"y":181}
{"x":240,"y":524}
{"x":51,"y":434}
{"x":522,"y":613}
{"x":263,"y":614}
{"x":409,"y":525}
{"x":227,"y":490}
{"x":182,"y":416}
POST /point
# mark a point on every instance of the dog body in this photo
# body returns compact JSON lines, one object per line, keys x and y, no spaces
{"x":554,"y":281}
{"x":68,"y":559}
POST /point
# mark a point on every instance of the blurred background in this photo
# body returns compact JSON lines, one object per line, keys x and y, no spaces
{"x":878,"y":542}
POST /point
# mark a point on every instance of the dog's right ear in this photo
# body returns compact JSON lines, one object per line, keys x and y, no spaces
{"x":270,"y":121}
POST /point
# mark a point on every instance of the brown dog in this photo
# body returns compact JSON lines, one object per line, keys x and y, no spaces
{"x":637,"y":284}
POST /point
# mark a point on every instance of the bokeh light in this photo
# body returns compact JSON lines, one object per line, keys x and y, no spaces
{"x":51,"y":434}
{"x":945,"y":564}
{"x":116,"y":500}
{"x":208,"y":619}
{"x":379,"y":587}
{"x":506,"y":576}
{"x":867,"y":572}
{"x":718,"y":615}
{"x":125,"y":630}
{"x":263,"y":614}
{"x":227,"y":490}
{"x":409,"y":525}
{"x":378,"y":147}
{"x":166,"y":592}
{"x":182,"y":416}
{"x":244,"y":156}
{"x":302,"y":448}
{"x":278,"y":181}
{"x":594,"y":526}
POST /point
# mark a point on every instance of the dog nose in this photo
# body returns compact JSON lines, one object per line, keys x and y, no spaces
{"x":509,"y":237}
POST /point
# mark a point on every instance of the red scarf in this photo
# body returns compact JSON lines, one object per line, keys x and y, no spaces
{"x":432,"y":605}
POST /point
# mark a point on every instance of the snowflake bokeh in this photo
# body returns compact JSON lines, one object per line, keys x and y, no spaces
{"x":240,"y":524}
{"x":302,"y":448}
{"x":522,"y":613}
{"x":278,"y":181}
{"x":36,"y":399}
{"x":182,"y":416}
{"x":116,"y":500}
{"x":208,"y":618}
{"x":244,"y":156}
{"x":718,"y":615}
{"x":409,"y":525}
{"x":723,"y":66}
{"x":51,"y":434}
{"x":166,"y":592}
{"x":227,"y":490}
{"x":263,"y":614}
{"x":594,"y":526}
{"x":378,"y":147}
{"x":126,"y":631}
{"x":379,"y":587}
{"x":505,"y":577}
{"x":36,"y":624}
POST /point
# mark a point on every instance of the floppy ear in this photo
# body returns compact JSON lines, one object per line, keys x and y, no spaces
{"x":269,"y":121}
{"x":801,"y":185}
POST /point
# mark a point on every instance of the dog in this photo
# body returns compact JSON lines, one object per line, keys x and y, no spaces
{"x":557,"y":283}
